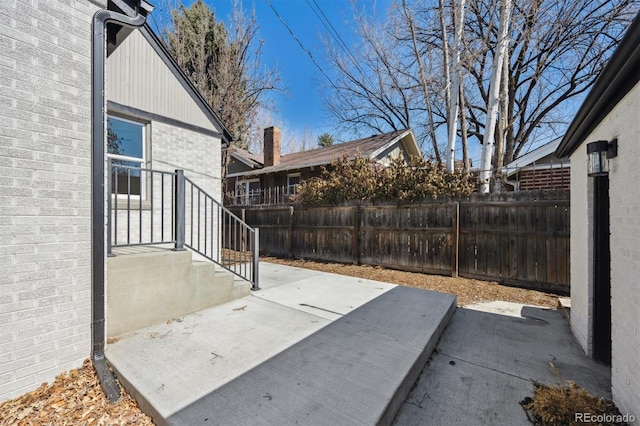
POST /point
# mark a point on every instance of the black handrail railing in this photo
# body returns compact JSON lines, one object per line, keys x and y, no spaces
{"x":152,"y":207}
{"x":235,"y":247}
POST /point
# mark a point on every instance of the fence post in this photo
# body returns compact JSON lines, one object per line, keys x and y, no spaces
{"x":290,"y":242}
{"x":256,"y":260}
{"x":356,"y":235}
{"x":455,"y":239}
{"x":180,"y":211}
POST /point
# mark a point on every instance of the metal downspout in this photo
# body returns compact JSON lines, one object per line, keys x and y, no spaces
{"x":98,"y":126}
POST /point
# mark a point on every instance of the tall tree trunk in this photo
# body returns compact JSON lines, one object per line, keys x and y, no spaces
{"x":503,"y":120}
{"x":494,"y":96}
{"x":423,"y":83}
{"x":445,"y":56}
{"x":466,"y":162}
{"x":452,"y":122}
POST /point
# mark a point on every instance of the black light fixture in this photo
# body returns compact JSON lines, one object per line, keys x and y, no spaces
{"x":598,"y":155}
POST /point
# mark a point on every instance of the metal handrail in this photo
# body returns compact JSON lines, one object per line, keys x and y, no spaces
{"x":236,"y":246}
{"x":149,"y":207}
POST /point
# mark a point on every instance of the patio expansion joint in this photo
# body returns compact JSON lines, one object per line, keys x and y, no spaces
{"x":484,"y":367}
{"x":299,"y":310}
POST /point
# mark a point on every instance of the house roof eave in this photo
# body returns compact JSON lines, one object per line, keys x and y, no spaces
{"x":243,"y":160}
{"x":401,"y":137}
{"x":168,"y":59}
{"x":531,"y":157}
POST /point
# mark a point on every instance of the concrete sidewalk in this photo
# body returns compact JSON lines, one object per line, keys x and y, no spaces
{"x":352,"y":346}
{"x":485,"y":361}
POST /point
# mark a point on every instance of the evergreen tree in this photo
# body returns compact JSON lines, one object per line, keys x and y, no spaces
{"x":325,"y":140}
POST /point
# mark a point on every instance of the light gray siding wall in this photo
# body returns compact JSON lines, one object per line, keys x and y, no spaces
{"x":138,"y":78}
{"x":45,"y":190}
{"x":622,"y":123}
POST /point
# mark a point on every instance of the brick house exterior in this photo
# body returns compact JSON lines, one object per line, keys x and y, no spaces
{"x":46,"y":174}
{"x":605,"y":221}
{"x":271,"y":178}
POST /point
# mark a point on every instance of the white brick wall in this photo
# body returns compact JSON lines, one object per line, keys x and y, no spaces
{"x":174,"y":148}
{"x":581,"y":251}
{"x":622,"y":123}
{"x":199,"y":155}
{"x":45,"y":190}
{"x":624,"y":176}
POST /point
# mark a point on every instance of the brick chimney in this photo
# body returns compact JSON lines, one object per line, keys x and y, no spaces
{"x":271,"y":146}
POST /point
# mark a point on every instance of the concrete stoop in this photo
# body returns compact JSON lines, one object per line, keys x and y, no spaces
{"x":146,"y":287}
{"x":356,"y":370}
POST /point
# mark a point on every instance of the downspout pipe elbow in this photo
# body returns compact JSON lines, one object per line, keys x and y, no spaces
{"x":98,"y":133}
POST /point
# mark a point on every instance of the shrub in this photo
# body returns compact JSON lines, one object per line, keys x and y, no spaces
{"x":361,"y":179}
{"x":558,"y":405}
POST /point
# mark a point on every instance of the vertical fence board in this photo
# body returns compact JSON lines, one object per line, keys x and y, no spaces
{"x":522,"y":243}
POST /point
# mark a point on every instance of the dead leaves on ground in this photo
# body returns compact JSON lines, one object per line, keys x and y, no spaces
{"x":468,"y":291}
{"x":74,"y":398}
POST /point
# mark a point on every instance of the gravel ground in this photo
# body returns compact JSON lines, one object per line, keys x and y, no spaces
{"x":468,"y":291}
{"x":76,"y":398}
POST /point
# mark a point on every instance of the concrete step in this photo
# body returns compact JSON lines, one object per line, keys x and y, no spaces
{"x":147,"y":285}
{"x":356,"y":370}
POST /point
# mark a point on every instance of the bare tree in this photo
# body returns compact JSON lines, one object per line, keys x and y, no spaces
{"x":457,"y":10}
{"x":556,"y":49}
{"x":494,"y":94}
{"x":224,"y":62}
{"x":376,"y":86}
{"x":423,"y":80}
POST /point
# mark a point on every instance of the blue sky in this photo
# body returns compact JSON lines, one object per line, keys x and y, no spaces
{"x":301,"y":109}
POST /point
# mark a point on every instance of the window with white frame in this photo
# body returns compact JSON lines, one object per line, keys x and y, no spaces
{"x":126,"y":152}
{"x":293,"y":180}
{"x":248,"y":191}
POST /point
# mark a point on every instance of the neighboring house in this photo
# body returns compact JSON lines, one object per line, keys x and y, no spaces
{"x":272,"y":178}
{"x":539,"y":169}
{"x":53,"y":168}
{"x":605,"y":220}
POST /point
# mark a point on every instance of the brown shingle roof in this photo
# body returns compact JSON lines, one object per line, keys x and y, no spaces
{"x":319,"y":156}
{"x":255,"y":160}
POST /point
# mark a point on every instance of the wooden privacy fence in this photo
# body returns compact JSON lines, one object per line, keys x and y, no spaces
{"x":520,"y":243}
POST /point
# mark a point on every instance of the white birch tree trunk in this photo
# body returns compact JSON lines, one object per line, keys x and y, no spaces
{"x":452,"y":123}
{"x":445,"y":57}
{"x":494,"y":97}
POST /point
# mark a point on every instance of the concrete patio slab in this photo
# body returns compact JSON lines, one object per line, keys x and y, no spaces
{"x":173,"y":368}
{"x":486,"y":359}
{"x":356,"y":370}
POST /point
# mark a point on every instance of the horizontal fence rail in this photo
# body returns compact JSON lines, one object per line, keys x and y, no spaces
{"x":266,"y":196}
{"x":519,"y":243}
{"x":150,"y":207}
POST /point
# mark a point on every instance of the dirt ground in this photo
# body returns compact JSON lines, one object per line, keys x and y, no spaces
{"x":76,"y":398}
{"x":467,"y":290}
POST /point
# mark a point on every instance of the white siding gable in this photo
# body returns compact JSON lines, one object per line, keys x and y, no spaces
{"x":138,"y":77}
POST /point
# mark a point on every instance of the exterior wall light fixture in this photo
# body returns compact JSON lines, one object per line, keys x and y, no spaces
{"x":598,"y":155}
